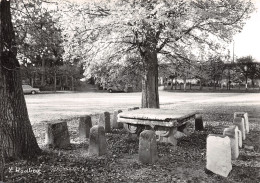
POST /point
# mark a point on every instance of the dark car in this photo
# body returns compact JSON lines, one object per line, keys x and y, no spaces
{"x":115,"y":88}
{"x":27,"y":89}
{"x":120,"y":88}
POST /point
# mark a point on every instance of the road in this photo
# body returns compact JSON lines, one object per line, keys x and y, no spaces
{"x":45,"y":107}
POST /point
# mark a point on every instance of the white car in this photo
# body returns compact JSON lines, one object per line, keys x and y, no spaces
{"x":27,"y":89}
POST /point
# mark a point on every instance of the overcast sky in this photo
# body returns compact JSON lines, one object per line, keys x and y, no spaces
{"x":247,"y":42}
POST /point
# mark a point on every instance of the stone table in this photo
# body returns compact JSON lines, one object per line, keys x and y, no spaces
{"x":164,"y":122}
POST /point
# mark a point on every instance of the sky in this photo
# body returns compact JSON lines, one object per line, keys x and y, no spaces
{"x":248,"y":41}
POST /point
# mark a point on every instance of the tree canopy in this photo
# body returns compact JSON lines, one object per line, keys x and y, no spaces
{"x":100,"y":34}
{"x":106,"y":32}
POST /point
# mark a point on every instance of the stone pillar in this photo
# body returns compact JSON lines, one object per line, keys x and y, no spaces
{"x":147,"y":147}
{"x":232,"y":133}
{"x":115,"y":124}
{"x":245,"y":116}
{"x":240,"y":123}
{"x":198,"y":122}
{"x":57,"y":134}
{"x":240,"y":140}
{"x":219,"y":154}
{"x":97,"y":141}
{"x":104,"y":120}
{"x":85,"y":124}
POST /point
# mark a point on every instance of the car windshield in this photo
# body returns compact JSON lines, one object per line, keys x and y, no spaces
{"x":27,"y":86}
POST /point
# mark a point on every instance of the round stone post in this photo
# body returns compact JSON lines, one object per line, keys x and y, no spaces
{"x":97,"y":141}
{"x":85,"y":124}
{"x":115,"y":124}
{"x":219,"y":154}
{"x":147,"y":147}
{"x":104,"y":120}
{"x":198,"y":122}
{"x":57,"y":134}
{"x":240,"y":123}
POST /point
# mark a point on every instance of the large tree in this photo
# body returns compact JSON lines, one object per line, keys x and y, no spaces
{"x":106,"y":31}
{"x":16,"y":134}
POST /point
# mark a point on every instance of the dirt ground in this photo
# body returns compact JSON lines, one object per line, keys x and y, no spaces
{"x":186,"y":163}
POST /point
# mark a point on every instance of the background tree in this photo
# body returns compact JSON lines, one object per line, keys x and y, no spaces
{"x":148,"y":28}
{"x":15,"y":129}
{"x":215,"y":70}
{"x":115,"y":73}
{"x":249,"y":69}
{"x":39,"y":40}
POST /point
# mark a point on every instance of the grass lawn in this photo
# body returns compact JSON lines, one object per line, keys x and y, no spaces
{"x":186,"y":163}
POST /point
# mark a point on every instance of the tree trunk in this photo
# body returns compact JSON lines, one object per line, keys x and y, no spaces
{"x":150,"y":94}
{"x":176,"y":82}
{"x":18,"y":140}
{"x":184,"y":83}
{"x":43,"y":73}
{"x":200,"y":85}
{"x":66,"y":80}
{"x":72,"y":83}
{"x":215,"y":84}
{"x":253,"y":83}
{"x":32,"y":81}
{"x":171,"y":84}
{"x":246,"y":83}
{"x":55,"y":81}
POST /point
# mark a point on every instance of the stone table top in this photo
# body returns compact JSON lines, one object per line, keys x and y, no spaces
{"x":160,"y":117}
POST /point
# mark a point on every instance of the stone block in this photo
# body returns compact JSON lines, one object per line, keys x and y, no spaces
{"x":85,"y":124}
{"x":57,"y":134}
{"x":219,"y":154}
{"x":97,"y":141}
{"x":104,"y":120}
{"x":115,"y":124}
{"x":147,"y":147}
{"x":232,"y":133}
{"x":198,"y":122}
{"x":240,"y":123}
{"x":245,"y":116}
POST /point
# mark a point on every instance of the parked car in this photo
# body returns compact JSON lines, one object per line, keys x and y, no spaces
{"x":27,"y":89}
{"x":115,"y":88}
{"x":120,"y":88}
